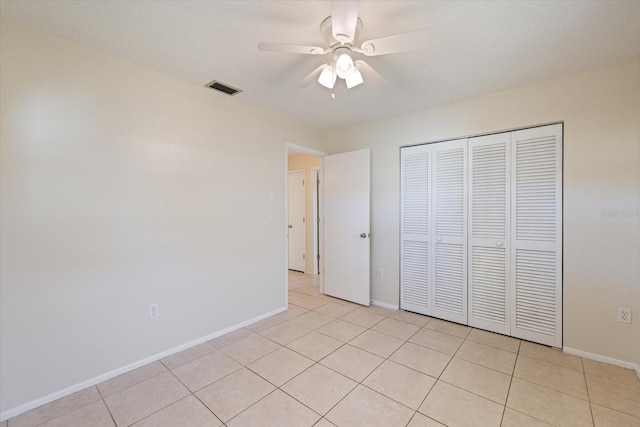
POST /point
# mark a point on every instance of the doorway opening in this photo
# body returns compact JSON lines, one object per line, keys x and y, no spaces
{"x":302,"y":212}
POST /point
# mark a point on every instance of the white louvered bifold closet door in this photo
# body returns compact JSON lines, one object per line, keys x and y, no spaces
{"x":414,"y":229}
{"x":536,"y":234}
{"x":449,"y":228}
{"x":489,"y":243}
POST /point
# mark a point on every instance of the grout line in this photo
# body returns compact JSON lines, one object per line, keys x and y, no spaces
{"x":104,"y":402}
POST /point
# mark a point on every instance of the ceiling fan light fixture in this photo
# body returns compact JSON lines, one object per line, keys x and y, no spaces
{"x":328,"y":77}
{"x":344,"y":65}
{"x":354,"y":79}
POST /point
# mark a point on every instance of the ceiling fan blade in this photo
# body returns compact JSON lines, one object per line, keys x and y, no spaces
{"x":313,"y":76}
{"x":292,"y":48}
{"x":370,"y":74}
{"x":344,"y":18}
{"x":402,"y":42}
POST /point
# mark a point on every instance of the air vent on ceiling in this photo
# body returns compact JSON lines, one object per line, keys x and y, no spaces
{"x":223,"y":88}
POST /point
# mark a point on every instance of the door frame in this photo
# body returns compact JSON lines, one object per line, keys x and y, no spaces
{"x":288,"y":147}
{"x":315,"y":175}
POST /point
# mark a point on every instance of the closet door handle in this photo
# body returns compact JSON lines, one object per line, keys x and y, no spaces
{"x":499,"y":243}
{"x":438,"y":239}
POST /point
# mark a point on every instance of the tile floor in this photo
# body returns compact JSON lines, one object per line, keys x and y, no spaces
{"x":329,"y":362}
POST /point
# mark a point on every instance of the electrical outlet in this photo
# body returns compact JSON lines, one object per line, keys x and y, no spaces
{"x":624,"y":315}
{"x":153,"y":311}
{"x":380,"y":273}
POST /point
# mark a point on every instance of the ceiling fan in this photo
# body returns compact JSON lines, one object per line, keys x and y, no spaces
{"x":341,"y":31}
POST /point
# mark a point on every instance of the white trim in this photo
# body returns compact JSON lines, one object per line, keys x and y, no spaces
{"x":304,"y":150}
{"x":384,"y":304}
{"x":604,"y":359}
{"x":315,"y":176}
{"x":10,"y":413}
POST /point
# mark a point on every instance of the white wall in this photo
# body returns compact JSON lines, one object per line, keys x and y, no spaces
{"x":600,"y":110}
{"x":122,"y":187}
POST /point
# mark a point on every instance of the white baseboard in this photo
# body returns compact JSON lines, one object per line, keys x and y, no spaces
{"x":10,"y":413}
{"x":384,"y":304}
{"x":604,"y":359}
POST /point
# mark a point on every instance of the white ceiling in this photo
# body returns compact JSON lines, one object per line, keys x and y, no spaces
{"x":474,"y":47}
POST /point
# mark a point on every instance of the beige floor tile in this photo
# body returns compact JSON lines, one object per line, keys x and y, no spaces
{"x":235,"y":336}
{"x":551,"y":355}
{"x":3,"y":423}
{"x":315,"y":346}
{"x":382,"y":311}
{"x":130,"y":378}
{"x":310,"y":290}
{"x":552,"y":376}
{"x":454,"y":407}
{"x":280,"y":366}
{"x":143,"y":399}
{"x":623,"y":375}
{"x":396,"y":328}
{"x":264,"y":324}
{"x":94,"y":415}
{"x":296,"y":296}
{"x":294,"y":311}
{"x":420,"y":420}
{"x":352,"y":362}
{"x":605,"y":417}
{"x":205,"y":370}
{"x":490,"y":357}
{"x":334,"y":309}
{"x":363,"y":318}
{"x":548,"y":405}
{"x":450,"y":328}
{"x":234,"y":393}
{"x":251,"y":348}
{"x":56,"y":409}
{"x":377,"y":343}
{"x":312,"y":320}
{"x":513,"y":418}
{"x":400,"y":383}
{"x":367,"y":408}
{"x":324,"y":423}
{"x":187,"y":355}
{"x":409,"y":317}
{"x":613,"y":394}
{"x":422,"y":359}
{"x":188,"y":412}
{"x":477,"y":379}
{"x":435,"y":340}
{"x":495,"y":340}
{"x":285,"y":332}
{"x":319,"y":388}
{"x":341,"y":330}
{"x":347,"y":303}
{"x":276,"y":410}
{"x":310,"y":302}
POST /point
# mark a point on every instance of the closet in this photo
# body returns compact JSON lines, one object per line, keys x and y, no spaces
{"x":481,"y":232}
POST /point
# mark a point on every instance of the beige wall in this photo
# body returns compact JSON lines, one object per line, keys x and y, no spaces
{"x":600,"y":110}
{"x":121,"y":187}
{"x":307,"y":163}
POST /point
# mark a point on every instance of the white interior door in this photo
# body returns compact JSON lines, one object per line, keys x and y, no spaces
{"x":297,"y":226}
{"x":449,"y":227}
{"x":415,"y":274}
{"x":536,"y":234}
{"x":347,"y":226}
{"x":489,"y":240}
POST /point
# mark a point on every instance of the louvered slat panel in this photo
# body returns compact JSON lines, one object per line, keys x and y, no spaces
{"x":415,"y":191}
{"x":449,"y":284}
{"x":449,"y":186}
{"x":488,"y":291}
{"x":536,"y":303}
{"x":536,"y":188}
{"x":488,"y":182}
{"x":415,"y":274}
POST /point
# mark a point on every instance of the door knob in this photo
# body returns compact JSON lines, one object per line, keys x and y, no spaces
{"x":499,"y":243}
{"x":364,"y":235}
{"x":290,"y":226}
{"x":438,"y":239}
